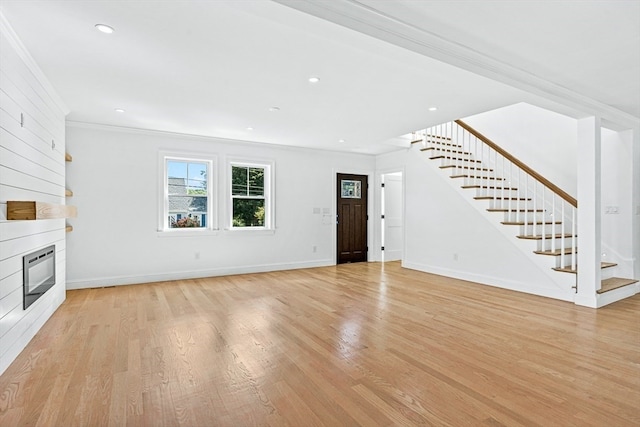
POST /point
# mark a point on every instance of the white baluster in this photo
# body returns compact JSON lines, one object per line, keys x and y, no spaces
{"x":573,"y":239}
{"x":535,"y":206}
{"x":526,"y":195}
{"x":518,"y":215}
{"x":562,"y":239}
{"x":553,"y":214}
{"x":544,"y":218}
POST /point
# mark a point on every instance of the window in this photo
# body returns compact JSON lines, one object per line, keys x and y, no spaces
{"x":187,"y":190}
{"x":250,"y":196}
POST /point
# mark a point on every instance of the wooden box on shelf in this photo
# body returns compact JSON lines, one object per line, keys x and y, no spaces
{"x":31,"y":210}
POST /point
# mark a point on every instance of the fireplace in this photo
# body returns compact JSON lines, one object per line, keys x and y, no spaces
{"x":39,"y":269}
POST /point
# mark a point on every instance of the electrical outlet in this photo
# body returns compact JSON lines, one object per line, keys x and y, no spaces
{"x":455,"y":257}
{"x":197,"y":255}
{"x":314,"y":249}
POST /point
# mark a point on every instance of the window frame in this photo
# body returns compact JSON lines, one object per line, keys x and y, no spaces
{"x":211,"y":226}
{"x":269,"y":194}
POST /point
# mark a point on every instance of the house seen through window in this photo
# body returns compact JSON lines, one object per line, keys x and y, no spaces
{"x":188,"y":194}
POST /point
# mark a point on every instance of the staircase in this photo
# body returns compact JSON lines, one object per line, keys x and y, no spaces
{"x":543,"y":213}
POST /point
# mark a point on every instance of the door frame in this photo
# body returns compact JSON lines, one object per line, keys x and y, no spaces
{"x":376,"y":254}
{"x":334,"y":208}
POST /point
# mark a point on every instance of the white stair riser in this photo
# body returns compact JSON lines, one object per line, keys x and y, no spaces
{"x":530,"y":230}
{"x":563,"y":261}
{"x":548,"y":244}
{"x":509,"y":204}
{"x":482,"y":192}
{"x":442,"y":142}
{"x":607,"y":273}
{"x":526,"y":217}
{"x":457,"y":154}
{"x":484,"y":179}
{"x":465,"y":169}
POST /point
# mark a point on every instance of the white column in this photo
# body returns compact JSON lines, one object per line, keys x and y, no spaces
{"x":589,"y":211}
{"x":635,"y":204}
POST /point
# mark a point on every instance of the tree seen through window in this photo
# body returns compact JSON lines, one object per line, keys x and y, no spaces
{"x":248,"y":196}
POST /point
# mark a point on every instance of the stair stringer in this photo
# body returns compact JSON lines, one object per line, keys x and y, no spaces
{"x":538,"y":278}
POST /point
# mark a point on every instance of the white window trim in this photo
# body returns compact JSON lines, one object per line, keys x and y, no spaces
{"x":269,"y":200}
{"x":163,"y":197}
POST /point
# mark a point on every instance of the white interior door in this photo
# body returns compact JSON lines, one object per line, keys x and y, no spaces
{"x":392,"y":222}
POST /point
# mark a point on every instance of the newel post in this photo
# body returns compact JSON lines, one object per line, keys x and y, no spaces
{"x":589,"y":211}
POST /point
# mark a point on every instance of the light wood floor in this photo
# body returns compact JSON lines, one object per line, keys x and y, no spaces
{"x":359,"y":344}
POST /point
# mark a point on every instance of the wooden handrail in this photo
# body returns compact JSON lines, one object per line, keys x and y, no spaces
{"x":557,"y":190}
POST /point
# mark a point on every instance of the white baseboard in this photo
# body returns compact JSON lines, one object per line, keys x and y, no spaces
{"x":191,"y":274}
{"x":498,"y":282}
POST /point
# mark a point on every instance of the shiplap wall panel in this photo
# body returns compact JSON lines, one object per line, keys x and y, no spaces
{"x":25,"y":244}
{"x":43,"y":117}
{"x":12,"y":292}
{"x":15,"y":145}
{"x":13,"y":193}
{"x":31,"y":118}
{"x":30,"y":169}
{"x":22,"y":322}
{"x":23,"y":77}
{"x":24,"y":180}
{"x":12,"y":125}
{"x":13,"y":282}
{"x":26,"y":122}
{"x":14,"y":312}
{"x":16,"y":229}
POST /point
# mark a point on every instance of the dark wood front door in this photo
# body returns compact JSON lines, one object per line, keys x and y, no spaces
{"x":352,"y":218}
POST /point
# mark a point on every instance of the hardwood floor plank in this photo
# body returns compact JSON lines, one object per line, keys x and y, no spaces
{"x":356,"y":344}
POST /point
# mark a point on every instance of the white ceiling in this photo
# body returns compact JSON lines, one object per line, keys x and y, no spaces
{"x":214,"y":68}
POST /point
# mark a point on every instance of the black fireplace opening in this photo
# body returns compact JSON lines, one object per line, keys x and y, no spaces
{"x":39,"y":269}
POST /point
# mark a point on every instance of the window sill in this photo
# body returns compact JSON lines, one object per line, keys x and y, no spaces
{"x":251,"y":231}
{"x":187,"y":233}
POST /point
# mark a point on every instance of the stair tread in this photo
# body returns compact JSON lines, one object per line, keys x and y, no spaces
{"x":557,"y":252}
{"x":466,"y":167}
{"x":530,"y":223}
{"x":546,"y":236}
{"x":445,"y":144}
{"x":500,"y":198}
{"x":514,"y":210}
{"x":415,"y":141}
{"x":497,"y":178}
{"x":614,"y":283}
{"x":489,"y":187}
{"x":445,"y":150}
{"x":568,"y":268}
{"x":446,"y":138}
{"x":454,"y":158}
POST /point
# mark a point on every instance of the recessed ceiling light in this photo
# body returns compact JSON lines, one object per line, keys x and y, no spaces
{"x":104,"y":28}
{"x":341,"y":140}
{"x":119,"y":110}
{"x":249,"y":128}
{"x":433,"y":108}
{"x":314,"y":79}
{"x":274,"y":108}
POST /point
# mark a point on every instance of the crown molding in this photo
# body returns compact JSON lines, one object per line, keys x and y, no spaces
{"x":15,"y":42}
{"x":357,"y":16}
{"x":204,"y":138}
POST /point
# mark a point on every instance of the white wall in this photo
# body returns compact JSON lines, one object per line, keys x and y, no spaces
{"x":448,"y":233}
{"x":115,"y":175}
{"x":617,"y":192}
{"x":543,"y":140}
{"x":29,"y":170}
